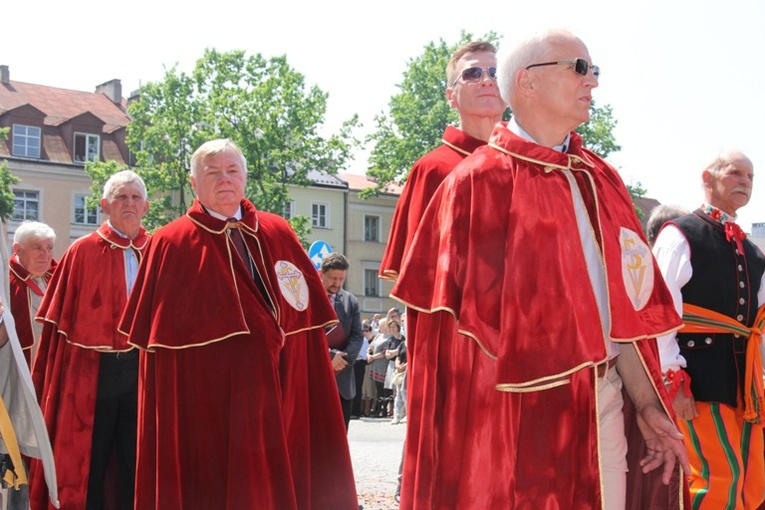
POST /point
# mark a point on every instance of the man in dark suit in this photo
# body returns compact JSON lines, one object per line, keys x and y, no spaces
{"x":334,"y":269}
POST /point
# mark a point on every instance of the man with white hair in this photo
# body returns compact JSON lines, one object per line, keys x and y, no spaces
{"x":31,"y":268}
{"x":239,"y":405}
{"x":713,"y":364}
{"x":85,"y":372}
{"x":532,"y":245}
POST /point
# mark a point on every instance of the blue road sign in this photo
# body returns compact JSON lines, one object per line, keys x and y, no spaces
{"x":317,"y":252}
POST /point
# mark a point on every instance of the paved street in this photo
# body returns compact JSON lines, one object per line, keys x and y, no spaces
{"x":376,"y":453}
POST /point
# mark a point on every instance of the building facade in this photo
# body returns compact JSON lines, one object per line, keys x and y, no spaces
{"x":368,"y":226}
{"x":52,"y":133}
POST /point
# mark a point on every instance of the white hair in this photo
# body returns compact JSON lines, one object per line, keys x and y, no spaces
{"x":723,"y":158}
{"x":533,"y":49}
{"x":33,"y":230}
{"x":213,"y":148}
{"x":120,"y":178}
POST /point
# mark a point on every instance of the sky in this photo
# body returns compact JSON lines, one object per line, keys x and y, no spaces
{"x":684,"y":78}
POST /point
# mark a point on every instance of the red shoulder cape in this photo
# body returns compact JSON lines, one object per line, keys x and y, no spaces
{"x":87,"y":293}
{"x":426,"y":175}
{"x":459,"y":262}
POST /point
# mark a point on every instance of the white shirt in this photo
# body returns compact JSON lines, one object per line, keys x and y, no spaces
{"x":131,"y":261}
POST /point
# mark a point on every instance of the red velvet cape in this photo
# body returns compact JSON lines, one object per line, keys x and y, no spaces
{"x":536,"y":447}
{"x":20,"y":282}
{"x":426,"y":175}
{"x":238,"y":405}
{"x":451,"y":398}
{"x":80,"y":310}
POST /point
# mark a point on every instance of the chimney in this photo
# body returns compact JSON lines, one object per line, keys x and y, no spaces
{"x":111,"y":89}
{"x":5,"y":74}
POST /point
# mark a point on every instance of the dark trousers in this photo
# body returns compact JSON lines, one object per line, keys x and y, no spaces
{"x":359,"y":368}
{"x":346,"y":404}
{"x":384,"y":399}
{"x":114,"y":430}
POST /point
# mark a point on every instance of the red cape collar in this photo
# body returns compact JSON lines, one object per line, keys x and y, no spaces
{"x":504,"y":140}
{"x":23,"y":274}
{"x":109,"y":235}
{"x":249,"y":222}
{"x":459,"y":141}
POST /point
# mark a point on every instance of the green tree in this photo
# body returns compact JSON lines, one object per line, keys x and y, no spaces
{"x":637,"y":191}
{"x":262,"y":105}
{"x":418,"y":114}
{"x":99,"y":172}
{"x":7,"y":180}
{"x":416,"y":117}
{"x":598,"y":132}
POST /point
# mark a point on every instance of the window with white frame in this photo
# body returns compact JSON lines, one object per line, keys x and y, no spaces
{"x":372,"y":228}
{"x":26,"y":141}
{"x":84,"y":215}
{"x":320,"y":214}
{"x":26,"y":205}
{"x":372,"y":287}
{"x":289,"y":210}
{"x":86,"y":147}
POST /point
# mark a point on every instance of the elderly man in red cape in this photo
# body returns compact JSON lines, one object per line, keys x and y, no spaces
{"x":472,"y":91}
{"x":85,"y":372}
{"x":31,"y":267}
{"x":533,"y":247}
{"x":238,"y":403}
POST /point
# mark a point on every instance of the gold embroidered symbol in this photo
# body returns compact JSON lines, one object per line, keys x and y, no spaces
{"x":292,"y":284}
{"x":637,"y":268}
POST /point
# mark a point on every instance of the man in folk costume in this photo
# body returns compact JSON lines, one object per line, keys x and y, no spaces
{"x":85,"y":372}
{"x":532,"y":245}
{"x":238,"y":403}
{"x":31,"y":268}
{"x":713,"y":365}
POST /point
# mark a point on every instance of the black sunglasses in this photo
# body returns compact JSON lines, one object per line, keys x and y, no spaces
{"x":581,"y":66}
{"x":473,"y":74}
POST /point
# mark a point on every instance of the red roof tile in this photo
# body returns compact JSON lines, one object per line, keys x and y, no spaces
{"x":358,"y":182}
{"x":60,"y":105}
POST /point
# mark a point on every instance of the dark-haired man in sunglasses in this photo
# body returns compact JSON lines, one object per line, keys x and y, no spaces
{"x":533,"y":247}
{"x":471,"y":77}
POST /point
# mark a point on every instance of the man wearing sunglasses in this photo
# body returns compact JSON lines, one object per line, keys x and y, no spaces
{"x":471,"y":76}
{"x":532,"y":245}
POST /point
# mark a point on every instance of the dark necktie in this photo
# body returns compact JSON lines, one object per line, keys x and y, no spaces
{"x":241,"y":248}
{"x":334,"y":299}
{"x":734,"y":232}
{"x":236,"y":237}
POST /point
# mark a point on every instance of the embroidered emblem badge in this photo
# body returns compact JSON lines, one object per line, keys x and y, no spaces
{"x":637,"y":268}
{"x":292,"y":284}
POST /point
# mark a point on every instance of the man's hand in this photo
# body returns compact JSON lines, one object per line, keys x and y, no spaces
{"x":664,"y":442}
{"x":3,"y":331}
{"x":685,"y":407}
{"x":338,"y":361}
